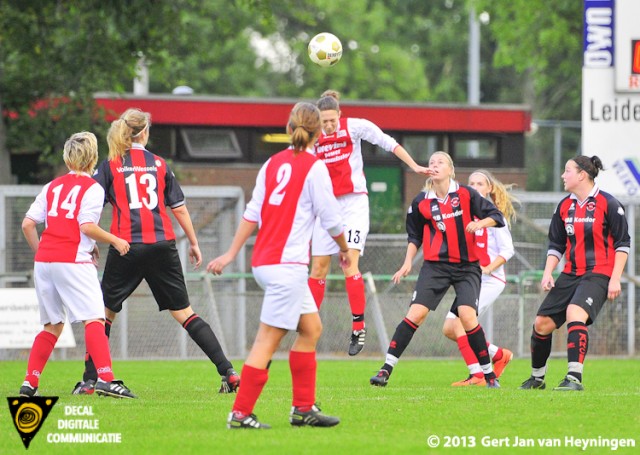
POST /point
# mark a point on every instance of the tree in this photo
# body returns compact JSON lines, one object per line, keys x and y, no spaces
{"x":55,"y":55}
{"x":544,"y":43}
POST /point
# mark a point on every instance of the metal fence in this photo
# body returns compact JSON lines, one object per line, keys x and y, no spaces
{"x":231,"y":303}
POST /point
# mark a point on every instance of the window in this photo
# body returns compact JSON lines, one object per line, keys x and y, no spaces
{"x":474,"y":150}
{"x":420,"y":147}
{"x":210,"y":143}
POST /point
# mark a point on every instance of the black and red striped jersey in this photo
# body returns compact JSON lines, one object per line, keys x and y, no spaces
{"x":440,"y":223}
{"x":139,"y":187}
{"x":588,"y":233}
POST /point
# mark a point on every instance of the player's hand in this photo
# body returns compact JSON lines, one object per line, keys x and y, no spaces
{"x":195,"y":256}
{"x":122,"y":246}
{"x":423,"y":170}
{"x":615,"y":288}
{"x":473,"y":226}
{"x":95,"y":255}
{"x":485,"y":270}
{"x":218,"y":264}
{"x":547,"y":282}
{"x":345,"y":260}
{"x":404,"y":271}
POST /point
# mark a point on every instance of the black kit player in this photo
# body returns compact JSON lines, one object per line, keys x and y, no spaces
{"x":139,"y":185}
{"x":589,"y":228}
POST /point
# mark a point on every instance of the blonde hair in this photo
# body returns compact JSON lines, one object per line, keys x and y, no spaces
{"x":429,"y":183}
{"x":123,"y":131}
{"x":500,"y":194}
{"x":81,"y":152}
{"x":304,"y":125}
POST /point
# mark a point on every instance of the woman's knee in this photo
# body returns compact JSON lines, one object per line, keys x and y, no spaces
{"x":544,"y":325}
{"x":320,"y":267}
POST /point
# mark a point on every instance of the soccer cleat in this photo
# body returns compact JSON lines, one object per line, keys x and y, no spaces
{"x":84,"y":387}
{"x":237,"y":421}
{"x":381,"y":379}
{"x":533,"y":383}
{"x":27,"y":391}
{"x":470,"y":381}
{"x":230,"y":382}
{"x":357,"y":341}
{"x":115,"y":389}
{"x":569,"y":383}
{"x":500,"y":365}
{"x":313,"y":418}
{"x":493,"y":383}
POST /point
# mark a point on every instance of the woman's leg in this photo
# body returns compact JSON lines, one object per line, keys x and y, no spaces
{"x":399,"y":342}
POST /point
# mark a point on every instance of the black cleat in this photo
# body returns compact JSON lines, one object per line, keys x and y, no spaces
{"x":84,"y":387}
{"x":533,"y":383}
{"x":115,"y":389}
{"x":357,"y":341}
{"x":381,"y":379}
{"x":237,"y":421}
{"x":230,"y":382}
{"x":313,"y":418}
{"x":27,"y":391}
{"x":569,"y":383}
{"x":492,"y":383}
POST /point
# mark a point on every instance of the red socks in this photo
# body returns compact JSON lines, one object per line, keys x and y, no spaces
{"x":317,"y":290}
{"x":98,"y":348}
{"x":253,"y":381}
{"x":303,"y":379}
{"x":467,"y":353}
{"x":357,"y":302}
{"x":40,"y":351}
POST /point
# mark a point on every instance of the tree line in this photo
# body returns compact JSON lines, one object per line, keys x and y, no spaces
{"x":55,"y":55}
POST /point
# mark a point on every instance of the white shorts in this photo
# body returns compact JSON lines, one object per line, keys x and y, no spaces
{"x":66,"y":289}
{"x":490,"y":290}
{"x":355,"y":216}
{"x":286,"y":294}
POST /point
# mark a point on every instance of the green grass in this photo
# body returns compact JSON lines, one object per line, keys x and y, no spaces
{"x":180,"y":412}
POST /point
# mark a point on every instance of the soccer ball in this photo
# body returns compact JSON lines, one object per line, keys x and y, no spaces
{"x":325,"y":49}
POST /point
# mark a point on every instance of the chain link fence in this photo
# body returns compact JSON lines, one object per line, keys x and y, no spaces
{"x":231,"y":303}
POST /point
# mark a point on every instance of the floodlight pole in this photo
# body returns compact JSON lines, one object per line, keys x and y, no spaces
{"x":473,"y":82}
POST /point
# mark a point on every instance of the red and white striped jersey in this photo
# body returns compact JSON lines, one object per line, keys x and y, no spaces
{"x":139,"y":186}
{"x":291,"y":191}
{"x":63,"y":205}
{"x":342,"y":153}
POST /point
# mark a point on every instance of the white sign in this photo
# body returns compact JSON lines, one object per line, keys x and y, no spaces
{"x":627,"y":48}
{"x":611,"y":130}
{"x":20,"y":320}
{"x":611,"y":117}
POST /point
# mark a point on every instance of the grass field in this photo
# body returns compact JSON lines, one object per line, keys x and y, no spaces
{"x":180,"y":412}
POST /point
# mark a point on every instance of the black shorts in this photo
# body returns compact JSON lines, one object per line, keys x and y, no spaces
{"x":157,"y":263}
{"x":434,"y":281}
{"x":588,"y":291}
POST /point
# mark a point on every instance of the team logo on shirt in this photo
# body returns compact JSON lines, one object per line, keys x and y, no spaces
{"x":441,"y":226}
{"x":455,"y":202}
{"x":158,"y":163}
{"x":591,"y":206}
{"x":570,"y":229}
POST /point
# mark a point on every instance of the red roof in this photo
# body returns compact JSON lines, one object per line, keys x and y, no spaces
{"x":269,"y":112}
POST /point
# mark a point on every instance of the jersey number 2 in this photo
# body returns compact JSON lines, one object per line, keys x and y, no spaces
{"x":283,"y":176}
